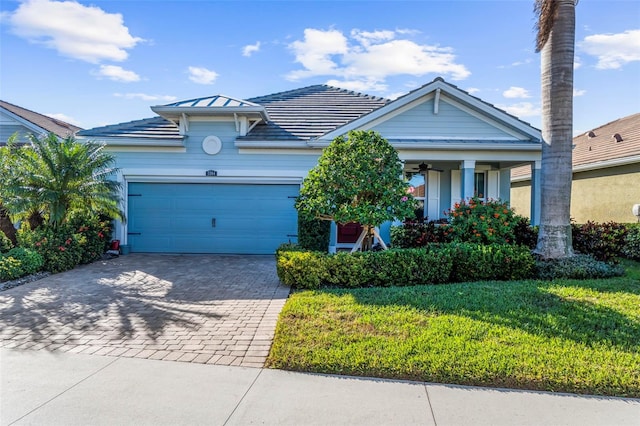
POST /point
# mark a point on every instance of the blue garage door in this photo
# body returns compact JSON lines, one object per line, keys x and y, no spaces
{"x":210,"y":218}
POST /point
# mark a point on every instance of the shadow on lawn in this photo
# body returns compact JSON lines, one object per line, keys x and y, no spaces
{"x":529,"y":306}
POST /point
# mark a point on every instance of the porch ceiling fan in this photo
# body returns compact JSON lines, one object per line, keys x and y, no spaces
{"x":424,"y":167}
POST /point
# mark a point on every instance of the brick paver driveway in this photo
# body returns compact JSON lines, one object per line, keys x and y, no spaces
{"x":194,"y":308}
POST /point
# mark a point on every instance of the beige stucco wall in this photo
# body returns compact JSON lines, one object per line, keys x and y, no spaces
{"x":600,"y":195}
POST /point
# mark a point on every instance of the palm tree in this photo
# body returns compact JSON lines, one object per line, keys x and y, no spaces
{"x":556,"y":41}
{"x":54,"y":177}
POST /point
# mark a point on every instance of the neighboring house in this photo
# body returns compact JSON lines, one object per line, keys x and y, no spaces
{"x":606,"y":174}
{"x":220,"y":175}
{"x":21,"y":121}
{"x":15,"y":119}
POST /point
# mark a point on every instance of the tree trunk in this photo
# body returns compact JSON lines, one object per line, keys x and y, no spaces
{"x":6,"y":226}
{"x":554,"y":240}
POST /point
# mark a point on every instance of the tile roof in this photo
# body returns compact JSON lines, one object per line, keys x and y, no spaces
{"x":150,"y":128}
{"x":600,"y":145}
{"x":60,"y":128}
{"x":309,"y":112}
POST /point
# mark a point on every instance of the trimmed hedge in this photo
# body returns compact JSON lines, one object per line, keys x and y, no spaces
{"x":19,"y":262}
{"x":313,"y":234}
{"x":438,"y":263}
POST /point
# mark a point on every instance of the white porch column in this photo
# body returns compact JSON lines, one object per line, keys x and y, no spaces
{"x":536,"y":200}
{"x":468,"y":169}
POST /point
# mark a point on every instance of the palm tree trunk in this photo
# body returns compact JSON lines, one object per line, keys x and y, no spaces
{"x":6,"y":225}
{"x":554,"y":239}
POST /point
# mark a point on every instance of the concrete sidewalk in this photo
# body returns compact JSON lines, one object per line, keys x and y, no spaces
{"x":52,"y":388}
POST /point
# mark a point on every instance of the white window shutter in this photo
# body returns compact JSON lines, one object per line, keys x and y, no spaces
{"x":493,"y":184}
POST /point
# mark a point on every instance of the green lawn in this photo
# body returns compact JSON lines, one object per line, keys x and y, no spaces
{"x":569,"y":336}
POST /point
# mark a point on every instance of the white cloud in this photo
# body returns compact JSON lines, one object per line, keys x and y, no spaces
{"x":145,"y":97}
{"x":366,"y":38}
{"x":577,"y":92}
{"x":63,"y":117}
{"x":315,"y":52}
{"x":366,"y":59}
{"x":516,"y":92}
{"x":613,"y":50}
{"x":117,"y":73}
{"x":202,"y":75}
{"x":81,"y":32}
{"x":358,"y":85}
{"x":472,"y":90}
{"x":250,"y":49}
{"x":522,"y":109}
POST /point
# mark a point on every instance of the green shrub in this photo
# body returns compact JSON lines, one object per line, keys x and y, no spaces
{"x":82,"y":239}
{"x":580,"y":266}
{"x":401,"y":267}
{"x":5,"y":243}
{"x":477,"y":262}
{"x":631,"y":248}
{"x":313,"y":234}
{"x":18,"y":262}
{"x":416,"y":233}
{"x":604,"y":241}
{"x":438,"y":263}
{"x":483,"y":222}
{"x":92,"y":234}
{"x":10,"y":268}
{"x":301,"y":269}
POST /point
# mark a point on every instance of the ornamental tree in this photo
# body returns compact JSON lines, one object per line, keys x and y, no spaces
{"x":357,"y":179}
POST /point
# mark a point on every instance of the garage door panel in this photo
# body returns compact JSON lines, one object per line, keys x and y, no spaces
{"x":177,"y":218}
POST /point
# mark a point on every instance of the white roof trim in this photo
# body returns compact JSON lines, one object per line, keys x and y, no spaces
{"x":616,"y":162}
{"x":430,"y":90}
{"x":454,"y":145}
{"x":37,"y":129}
{"x":274,"y":144}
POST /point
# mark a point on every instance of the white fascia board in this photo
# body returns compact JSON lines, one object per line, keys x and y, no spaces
{"x":282,"y":151}
{"x":452,"y":146}
{"x":201,"y":173}
{"x":274,"y":144}
{"x":228,"y":176}
{"x":617,"y":162}
{"x":260,"y":180}
{"x":174,"y":113}
{"x":172,"y":149}
{"x":139,"y":142}
{"x":448,"y":155}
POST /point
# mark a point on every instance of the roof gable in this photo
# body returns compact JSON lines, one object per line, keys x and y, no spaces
{"x":36,"y":123}
{"x":438,"y":92}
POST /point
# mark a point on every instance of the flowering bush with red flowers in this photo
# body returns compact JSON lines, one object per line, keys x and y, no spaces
{"x":81,"y":239}
{"x":482,"y":222}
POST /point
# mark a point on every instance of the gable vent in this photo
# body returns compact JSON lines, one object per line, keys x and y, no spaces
{"x":617,"y":137}
{"x":591,"y":134}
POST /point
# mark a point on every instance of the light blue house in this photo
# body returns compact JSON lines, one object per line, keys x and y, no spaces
{"x":220,"y":175}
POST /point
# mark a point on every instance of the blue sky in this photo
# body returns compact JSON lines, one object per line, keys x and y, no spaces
{"x":104,"y":62}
